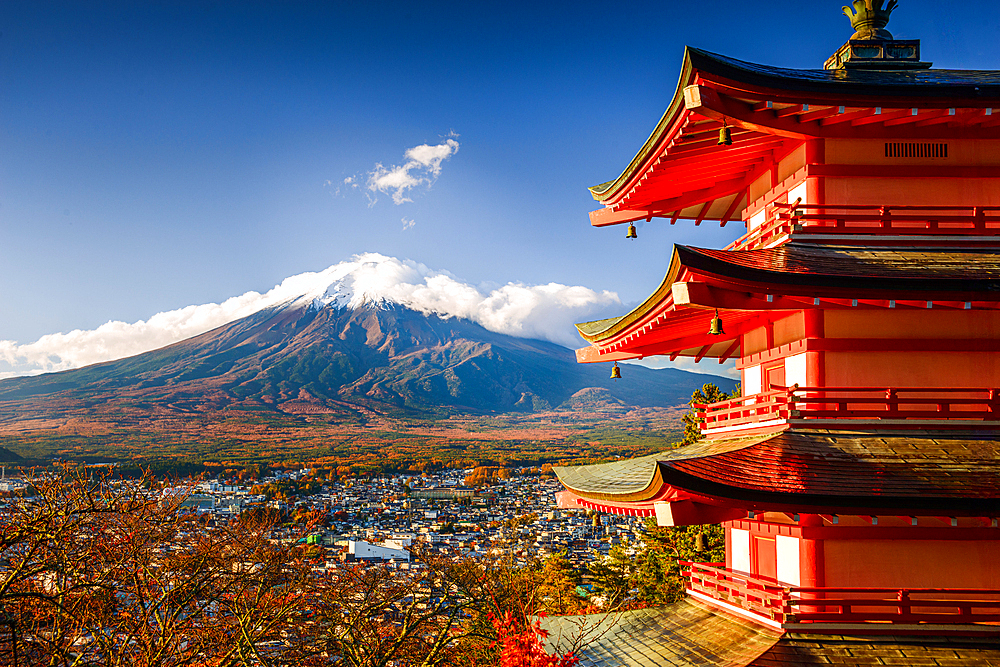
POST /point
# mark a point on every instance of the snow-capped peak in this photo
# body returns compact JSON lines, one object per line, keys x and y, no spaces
{"x":366,"y":280}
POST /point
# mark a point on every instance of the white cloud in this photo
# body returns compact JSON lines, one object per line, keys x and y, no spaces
{"x":422,"y":167}
{"x":533,"y":311}
{"x":407,"y":223}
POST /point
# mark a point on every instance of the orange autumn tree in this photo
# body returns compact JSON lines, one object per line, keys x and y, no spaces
{"x":103,"y":571}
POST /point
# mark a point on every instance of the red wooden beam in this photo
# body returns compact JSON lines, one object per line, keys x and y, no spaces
{"x":708,"y":102}
{"x":702,"y":295}
{"x":716,"y":156}
{"x":819,"y":114}
{"x":699,"y":196}
{"x":886,"y":115}
{"x":758,"y":142}
{"x":684,"y":175}
{"x":709,"y":139}
{"x":605,"y":216}
{"x":677,"y":344}
{"x":792,"y":110}
{"x":704,"y":212}
{"x":730,"y":351}
{"x":737,"y":198}
{"x":934,"y":117}
{"x":910,"y":118}
{"x":847,"y":116}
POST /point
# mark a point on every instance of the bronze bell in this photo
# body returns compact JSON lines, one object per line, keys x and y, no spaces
{"x":716,"y":328}
{"x":616,"y":373}
{"x":631,"y":232}
{"x":725,"y":136}
{"x":699,"y":542}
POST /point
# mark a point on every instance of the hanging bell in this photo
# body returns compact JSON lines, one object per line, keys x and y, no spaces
{"x":616,"y":373}
{"x":716,"y":328}
{"x":631,"y":232}
{"x":699,"y":542}
{"x":725,"y":136}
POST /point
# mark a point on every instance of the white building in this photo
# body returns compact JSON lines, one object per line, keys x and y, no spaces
{"x":362,"y":550}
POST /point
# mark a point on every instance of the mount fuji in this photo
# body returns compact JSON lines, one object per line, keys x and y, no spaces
{"x":382,"y":337}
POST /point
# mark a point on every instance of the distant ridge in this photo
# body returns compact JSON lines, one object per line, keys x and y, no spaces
{"x":379,"y":356}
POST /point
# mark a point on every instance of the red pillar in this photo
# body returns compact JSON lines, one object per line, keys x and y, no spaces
{"x":812,"y":568}
{"x":815,"y":154}
{"x":814,"y":329}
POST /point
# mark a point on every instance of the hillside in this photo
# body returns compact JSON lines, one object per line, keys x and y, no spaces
{"x":364,"y":368}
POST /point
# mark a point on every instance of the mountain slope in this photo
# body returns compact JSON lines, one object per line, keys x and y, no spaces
{"x":381,"y":357}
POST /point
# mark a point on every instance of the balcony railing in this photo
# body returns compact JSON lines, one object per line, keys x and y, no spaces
{"x":791,"y":605}
{"x":870,"y":220}
{"x":873,"y":405}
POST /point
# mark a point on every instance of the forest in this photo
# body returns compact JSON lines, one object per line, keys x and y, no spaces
{"x":100,"y":570}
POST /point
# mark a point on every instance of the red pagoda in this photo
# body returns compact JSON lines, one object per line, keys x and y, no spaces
{"x":858,"y":478}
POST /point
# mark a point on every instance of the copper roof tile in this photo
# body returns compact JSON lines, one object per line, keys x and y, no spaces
{"x":958,"y":472}
{"x":684,"y":633}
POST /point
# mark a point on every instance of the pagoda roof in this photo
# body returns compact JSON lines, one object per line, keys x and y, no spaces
{"x":691,"y":632}
{"x":811,"y":470}
{"x":681,"y":172}
{"x":971,"y":85}
{"x":853,"y":267}
{"x":675,"y":318}
{"x":684,"y":633}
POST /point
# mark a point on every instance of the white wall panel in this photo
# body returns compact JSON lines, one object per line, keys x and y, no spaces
{"x":787,"y":549}
{"x":741,"y":549}
{"x":795,"y":370}
{"x":796,"y":192}
{"x":751,"y":380}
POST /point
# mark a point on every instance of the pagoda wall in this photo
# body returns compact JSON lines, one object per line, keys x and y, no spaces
{"x":891,"y":563}
{"x":912,"y":191}
{"x":857,"y":171}
{"x":912,"y":369}
{"x":920,"y":181}
{"x":784,"y":365}
{"x":961,"y":152}
{"x":939,"y":330}
{"x":874,"y":347}
{"x":857,"y":554}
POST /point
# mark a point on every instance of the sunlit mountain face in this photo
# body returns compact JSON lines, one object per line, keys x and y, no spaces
{"x":544,"y":312}
{"x":333,"y":355}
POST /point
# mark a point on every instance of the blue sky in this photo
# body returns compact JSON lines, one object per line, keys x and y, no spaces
{"x":155,"y":155}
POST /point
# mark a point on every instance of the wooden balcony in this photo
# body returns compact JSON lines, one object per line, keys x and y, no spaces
{"x":853,"y":407}
{"x":965,"y":611}
{"x":871,"y":223}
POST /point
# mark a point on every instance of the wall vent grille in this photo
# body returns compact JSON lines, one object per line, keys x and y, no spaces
{"x":913,"y":149}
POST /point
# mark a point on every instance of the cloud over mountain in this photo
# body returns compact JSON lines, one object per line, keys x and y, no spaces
{"x":532,"y":311}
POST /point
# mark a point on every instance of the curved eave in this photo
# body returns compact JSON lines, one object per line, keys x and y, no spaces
{"x":826,"y":502}
{"x":653,"y":144}
{"x":976,"y":89}
{"x":814,"y":271}
{"x":639,"y":479}
{"x":599,"y":330}
{"x":818,"y":470}
{"x":806,"y":268}
{"x":633,"y":479}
